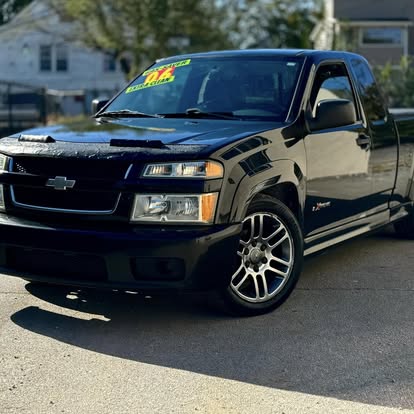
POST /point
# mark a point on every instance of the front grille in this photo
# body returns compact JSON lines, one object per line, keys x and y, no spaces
{"x":71,"y":200}
{"x":47,"y":198}
{"x":81,"y":267}
{"x":72,"y":168}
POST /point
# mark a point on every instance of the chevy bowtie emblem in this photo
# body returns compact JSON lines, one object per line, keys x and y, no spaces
{"x":60,"y":183}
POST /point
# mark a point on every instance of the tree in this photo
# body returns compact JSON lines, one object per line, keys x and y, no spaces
{"x":397,"y":82}
{"x":274,"y":23}
{"x":9,"y":8}
{"x":138,"y":31}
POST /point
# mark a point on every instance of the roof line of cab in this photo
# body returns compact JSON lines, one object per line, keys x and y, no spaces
{"x":321,"y":54}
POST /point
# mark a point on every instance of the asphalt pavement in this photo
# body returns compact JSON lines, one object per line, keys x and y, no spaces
{"x":342,"y":343}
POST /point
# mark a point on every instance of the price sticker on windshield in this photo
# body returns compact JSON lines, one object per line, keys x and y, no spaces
{"x":158,"y":76}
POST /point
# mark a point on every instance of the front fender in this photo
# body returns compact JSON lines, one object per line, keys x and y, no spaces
{"x":279,"y":172}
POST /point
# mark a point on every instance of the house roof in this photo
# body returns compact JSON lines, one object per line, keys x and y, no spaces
{"x":388,"y":10}
{"x":27,"y":19}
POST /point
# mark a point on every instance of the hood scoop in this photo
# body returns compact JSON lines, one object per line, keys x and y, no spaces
{"x":36,"y":138}
{"x":136,"y":143}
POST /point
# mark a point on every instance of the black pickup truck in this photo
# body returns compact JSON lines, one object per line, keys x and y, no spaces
{"x":216,"y":171}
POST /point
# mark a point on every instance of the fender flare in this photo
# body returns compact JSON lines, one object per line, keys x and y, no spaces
{"x":280,"y":172}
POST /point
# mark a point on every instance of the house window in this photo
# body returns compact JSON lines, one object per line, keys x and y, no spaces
{"x":61,"y":58}
{"x":54,"y":58}
{"x":392,"y":36}
{"x":45,"y":58}
{"x":109,"y":63}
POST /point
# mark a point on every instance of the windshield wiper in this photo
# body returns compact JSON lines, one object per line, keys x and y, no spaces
{"x":198,"y":113}
{"x":127,"y":113}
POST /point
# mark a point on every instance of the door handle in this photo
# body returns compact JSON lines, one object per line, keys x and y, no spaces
{"x":363,"y":141}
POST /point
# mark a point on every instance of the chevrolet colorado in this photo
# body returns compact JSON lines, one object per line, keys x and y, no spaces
{"x":215,"y":171}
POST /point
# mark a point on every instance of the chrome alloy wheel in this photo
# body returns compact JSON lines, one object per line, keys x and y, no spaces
{"x":266,"y":254}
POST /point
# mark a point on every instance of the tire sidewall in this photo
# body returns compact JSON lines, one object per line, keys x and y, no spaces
{"x":239,"y":306}
{"x":405,"y":228}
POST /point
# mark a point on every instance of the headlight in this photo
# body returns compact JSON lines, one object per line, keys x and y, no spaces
{"x":194,"y":169}
{"x":3,"y":160}
{"x":158,"y":208}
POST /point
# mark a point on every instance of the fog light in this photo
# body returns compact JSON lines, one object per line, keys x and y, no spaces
{"x":2,"y":206}
{"x":194,"y":208}
{"x":3,"y":161}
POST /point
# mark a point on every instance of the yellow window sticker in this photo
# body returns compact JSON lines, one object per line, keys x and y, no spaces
{"x":170,"y":65}
{"x":158,"y":76}
{"x":149,"y":84}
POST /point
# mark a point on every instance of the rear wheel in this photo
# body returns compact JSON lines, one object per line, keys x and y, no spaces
{"x":405,"y":228}
{"x":270,"y":256}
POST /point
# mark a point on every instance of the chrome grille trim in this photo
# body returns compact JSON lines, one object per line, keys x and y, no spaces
{"x":128,"y":171}
{"x":62,"y":210}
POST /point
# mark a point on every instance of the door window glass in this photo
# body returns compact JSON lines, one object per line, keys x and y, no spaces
{"x":331,"y":82}
{"x":372,"y":100}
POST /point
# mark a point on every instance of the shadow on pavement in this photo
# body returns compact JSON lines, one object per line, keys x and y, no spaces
{"x":334,"y":340}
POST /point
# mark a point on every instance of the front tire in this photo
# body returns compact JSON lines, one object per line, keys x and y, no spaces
{"x":270,"y":258}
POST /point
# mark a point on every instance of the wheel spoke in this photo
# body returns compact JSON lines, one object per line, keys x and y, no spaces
{"x":278,"y":271}
{"x":275,"y":233}
{"x":281,"y":261}
{"x":281,"y":240}
{"x":252,"y":225}
{"x":256,"y":287}
{"x":265,"y":288}
{"x":244,"y":278}
{"x":260,"y":235}
{"x":237,"y":272}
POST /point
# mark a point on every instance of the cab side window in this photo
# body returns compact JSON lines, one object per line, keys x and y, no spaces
{"x":331,"y":82}
{"x":372,"y":100}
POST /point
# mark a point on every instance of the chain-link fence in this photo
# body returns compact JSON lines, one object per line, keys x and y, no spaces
{"x":21,"y":107}
{"x":24,"y":106}
{"x":69,"y":103}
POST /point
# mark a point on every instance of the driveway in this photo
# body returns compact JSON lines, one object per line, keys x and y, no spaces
{"x":342,"y":343}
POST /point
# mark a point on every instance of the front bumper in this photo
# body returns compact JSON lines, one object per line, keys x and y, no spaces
{"x":144,"y":258}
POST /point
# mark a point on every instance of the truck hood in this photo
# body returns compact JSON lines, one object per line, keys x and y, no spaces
{"x":168,"y":131}
{"x":183,"y":138}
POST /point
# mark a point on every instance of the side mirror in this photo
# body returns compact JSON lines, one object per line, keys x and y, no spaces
{"x":98,"y":104}
{"x":333,"y":113}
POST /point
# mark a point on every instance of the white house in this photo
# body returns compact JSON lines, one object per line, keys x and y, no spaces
{"x":38,"y":49}
{"x":381,"y":30}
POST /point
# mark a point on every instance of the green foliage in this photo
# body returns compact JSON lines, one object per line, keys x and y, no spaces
{"x":8,"y":8}
{"x":397,"y":82}
{"x":291,"y":23}
{"x":139,"y":31}
{"x":274,"y":23}
{"x":347,"y":39}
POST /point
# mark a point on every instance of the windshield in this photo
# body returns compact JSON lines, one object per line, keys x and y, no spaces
{"x":238,"y":87}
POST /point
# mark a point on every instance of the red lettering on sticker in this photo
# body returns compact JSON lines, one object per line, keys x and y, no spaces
{"x":160,"y":75}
